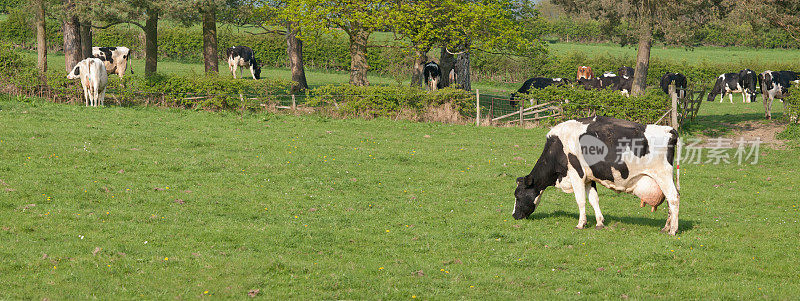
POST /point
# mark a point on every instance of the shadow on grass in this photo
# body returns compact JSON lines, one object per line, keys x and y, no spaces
{"x":721,"y":125}
{"x":657,"y":221}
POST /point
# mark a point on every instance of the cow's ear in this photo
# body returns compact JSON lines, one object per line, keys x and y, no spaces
{"x":520,"y":180}
{"x":528,"y":180}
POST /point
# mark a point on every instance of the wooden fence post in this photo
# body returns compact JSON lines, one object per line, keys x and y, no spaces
{"x":294,"y":103}
{"x":521,"y":110}
{"x":477,"y":107}
{"x":674,"y":112}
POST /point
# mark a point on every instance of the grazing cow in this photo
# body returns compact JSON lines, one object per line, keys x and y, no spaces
{"x":584,"y":72}
{"x":727,"y":83}
{"x":536,"y":83}
{"x":433,"y":76}
{"x":775,"y":84}
{"x":115,"y":59}
{"x":92,"y":72}
{"x":626,"y":79}
{"x":621,"y":155}
{"x":678,"y":79}
{"x":603,"y":82}
{"x":748,"y":80}
{"x":242,"y":56}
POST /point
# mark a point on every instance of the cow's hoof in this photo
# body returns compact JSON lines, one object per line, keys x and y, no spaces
{"x":579,"y":227}
{"x":599,"y":227}
{"x":672,"y":233}
{"x":665,"y":229}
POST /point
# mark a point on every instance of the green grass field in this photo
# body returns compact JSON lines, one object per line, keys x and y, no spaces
{"x":315,"y":77}
{"x":686,"y":55}
{"x":155,"y":203}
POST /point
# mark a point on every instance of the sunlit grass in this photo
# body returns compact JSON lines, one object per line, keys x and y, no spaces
{"x":154,"y":203}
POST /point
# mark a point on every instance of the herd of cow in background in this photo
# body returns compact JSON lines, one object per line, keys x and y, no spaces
{"x":773,"y":84}
{"x":93,"y":73}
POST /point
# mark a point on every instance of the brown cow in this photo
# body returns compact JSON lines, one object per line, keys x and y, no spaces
{"x":584,"y":72}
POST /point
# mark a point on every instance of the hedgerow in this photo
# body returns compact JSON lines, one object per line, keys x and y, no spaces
{"x":389,"y":101}
{"x":577,"y":102}
{"x":792,"y":103}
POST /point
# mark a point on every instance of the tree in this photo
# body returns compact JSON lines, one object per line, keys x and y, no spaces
{"x":133,"y":12}
{"x":207,"y":12}
{"x":461,"y":27}
{"x":72,"y":35}
{"x":358,"y":19}
{"x":270,"y":14}
{"x":41,"y":38}
{"x":783,"y":14}
{"x":672,"y":17}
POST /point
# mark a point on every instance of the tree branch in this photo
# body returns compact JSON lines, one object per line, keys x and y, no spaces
{"x":118,"y":23}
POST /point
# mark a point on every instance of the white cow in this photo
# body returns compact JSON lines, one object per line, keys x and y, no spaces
{"x":114,"y":58}
{"x":621,"y":155}
{"x":94,"y":79}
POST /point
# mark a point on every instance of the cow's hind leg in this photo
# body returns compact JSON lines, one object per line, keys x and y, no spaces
{"x":594,"y":200}
{"x":673,"y":199}
{"x":580,"y":198}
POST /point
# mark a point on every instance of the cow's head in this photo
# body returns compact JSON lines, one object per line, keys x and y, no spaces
{"x":527,"y":197}
{"x":75,"y":73}
{"x":584,"y":72}
{"x":257,"y":69}
{"x":626,"y":72}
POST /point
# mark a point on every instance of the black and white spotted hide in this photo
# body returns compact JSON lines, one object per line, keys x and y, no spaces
{"x":775,"y":85}
{"x":536,"y":83}
{"x":621,"y":155}
{"x":433,"y":76}
{"x":243,"y":56}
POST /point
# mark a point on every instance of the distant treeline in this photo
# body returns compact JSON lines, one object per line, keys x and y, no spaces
{"x":331,"y":52}
{"x":567,"y":29}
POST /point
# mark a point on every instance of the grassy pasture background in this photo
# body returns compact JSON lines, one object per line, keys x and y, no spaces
{"x":181,"y":203}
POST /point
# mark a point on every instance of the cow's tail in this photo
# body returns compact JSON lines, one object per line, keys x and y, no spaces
{"x":130,"y":62}
{"x":717,"y":89}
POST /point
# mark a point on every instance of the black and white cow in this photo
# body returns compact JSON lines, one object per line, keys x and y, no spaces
{"x":604,"y":82}
{"x":536,"y":83}
{"x":679,"y":80}
{"x":775,"y":84}
{"x":621,"y":155}
{"x":727,"y":83}
{"x":748,"y":80}
{"x":94,"y":79}
{"x":433,"y":76}
{"x":114,"y":58}
{"x":625,"y":79}
{"x":242,"y":56}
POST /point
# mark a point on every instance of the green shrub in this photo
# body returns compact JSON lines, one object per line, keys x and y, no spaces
{"x":389,"y":101}
{"x":577,"y":102}
{"x":792,"y":103}
{"x":10,"y":60}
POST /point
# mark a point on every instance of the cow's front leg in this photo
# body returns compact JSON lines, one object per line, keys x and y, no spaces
{"x":730,"y":96}
{"x":673,"y":199}
{"x":594,"y":200}
{"x":768,"y":107}
{"x":580,"y":198}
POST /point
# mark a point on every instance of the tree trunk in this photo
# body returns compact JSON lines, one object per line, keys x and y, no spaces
{"x":418,"y":71}
{"x":72,"y":37}
{"x":86,"y":39}
{"x":358,"y":57}
{"x":294,"y":48}
{"x":210,"y":39}
{"x":151,"y":42}
{"x":446,"y":63}
{"x":462,"y":71}
{"x":643,"y":53}
{"x":41,"y":40}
